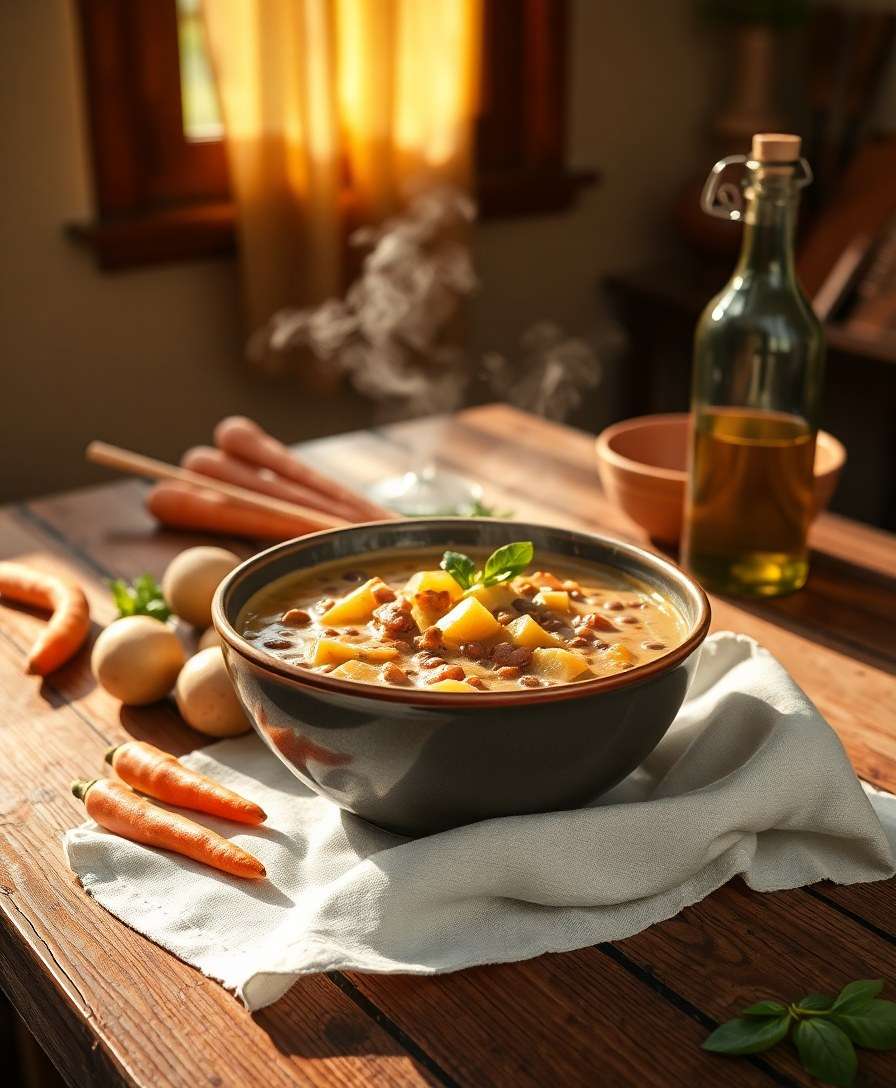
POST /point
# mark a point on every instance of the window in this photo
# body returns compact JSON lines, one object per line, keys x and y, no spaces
{"x":159,"y":163}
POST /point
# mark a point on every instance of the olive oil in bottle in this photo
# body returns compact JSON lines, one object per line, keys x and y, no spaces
{"x":757,"y":379}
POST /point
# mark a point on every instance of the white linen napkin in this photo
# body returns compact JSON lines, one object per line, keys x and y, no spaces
{"x":750,"y":779}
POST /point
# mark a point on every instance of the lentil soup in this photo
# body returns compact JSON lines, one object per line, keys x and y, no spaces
{"x":403,"y":621}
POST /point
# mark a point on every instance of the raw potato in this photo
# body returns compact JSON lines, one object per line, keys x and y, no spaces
{"x":137,"y":659}
{"x":210,"y":637}
{"x":205,"y":696}
{"x":191,"y":579}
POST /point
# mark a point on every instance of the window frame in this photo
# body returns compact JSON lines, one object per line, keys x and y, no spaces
{"x":160,"y":197}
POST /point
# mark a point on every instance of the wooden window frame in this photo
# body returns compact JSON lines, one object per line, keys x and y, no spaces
{"x":160,"y":197}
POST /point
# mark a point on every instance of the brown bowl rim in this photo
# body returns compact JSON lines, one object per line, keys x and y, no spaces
{"x":678,"y":475}
{"x":484,"y":699}
{"x":606,"y":453}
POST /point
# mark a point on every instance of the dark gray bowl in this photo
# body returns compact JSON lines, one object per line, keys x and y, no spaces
{"x":416,"y":761}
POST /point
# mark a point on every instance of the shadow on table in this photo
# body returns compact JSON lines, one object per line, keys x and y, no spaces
{"x":310,"y":1024}
{"x":161,"y":724}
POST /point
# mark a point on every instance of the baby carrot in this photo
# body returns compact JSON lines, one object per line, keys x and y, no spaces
{"x":68,"y":626}
{"x":158,"y":774}
{"x":118,"y":809}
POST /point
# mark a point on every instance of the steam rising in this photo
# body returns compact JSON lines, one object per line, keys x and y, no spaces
{"x":395,"y":331}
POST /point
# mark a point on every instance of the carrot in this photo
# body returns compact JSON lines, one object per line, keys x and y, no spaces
{"x":69,"y":624}
{"x":233,"y":470}
{"x":244,"y":438}
{"x":120,"y":810}
{"x":182,"y":507}
{"x":158,"y":774}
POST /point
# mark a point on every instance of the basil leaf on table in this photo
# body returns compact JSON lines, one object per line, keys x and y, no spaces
{"x":747,"y":1035}
{"x":765,"y":1008}
{"x":857,"y":995}
{"x":814,"y":1003}
{"x":874,"y":1027}
{"x":826,"y":1051}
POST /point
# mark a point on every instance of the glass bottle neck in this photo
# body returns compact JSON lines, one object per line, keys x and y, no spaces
{"x":769,"y":226}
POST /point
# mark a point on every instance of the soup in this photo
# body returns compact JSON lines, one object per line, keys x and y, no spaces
{"x":444,"y":623}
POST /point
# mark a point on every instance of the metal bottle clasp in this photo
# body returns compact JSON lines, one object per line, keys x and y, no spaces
{"x":725,"y":199}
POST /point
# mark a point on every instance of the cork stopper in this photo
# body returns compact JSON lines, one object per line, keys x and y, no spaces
{"x":771,"y":147}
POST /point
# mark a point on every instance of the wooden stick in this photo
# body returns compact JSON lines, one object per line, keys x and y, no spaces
{"x":124,"y":460}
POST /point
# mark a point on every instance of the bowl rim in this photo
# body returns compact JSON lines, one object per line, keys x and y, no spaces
{"x":268,"y":662}
{"x":606,"y":453}
{"x":619,"y":460}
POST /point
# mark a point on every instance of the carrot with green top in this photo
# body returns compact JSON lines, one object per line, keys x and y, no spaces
{"x":117,"y":808}
{"x":159,"y":774}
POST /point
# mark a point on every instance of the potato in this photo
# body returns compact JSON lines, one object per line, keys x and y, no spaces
{"x":558,"y":666}
{"x":621,"y":656}
{"x":468,"y":621}
{"x":451,"y":685}
{"x":525,"y":631}
{"x":205,"y":696}
{"x":357,"y":607}
{"x":330,"y":651}
{"x":435,"y":580}
{"x":358,"y":670}
{"x":210,"y":637}
{"x":379,"y":653}
{"x":137,"y":659}
{"x":191,"y":579}
{"x":493,"y":597}
{"x":555,"y":599}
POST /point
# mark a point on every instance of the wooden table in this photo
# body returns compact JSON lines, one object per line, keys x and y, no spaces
{"x":111,"y":1008}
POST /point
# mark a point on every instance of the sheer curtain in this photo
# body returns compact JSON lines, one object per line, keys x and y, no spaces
{"x":331,"y":108}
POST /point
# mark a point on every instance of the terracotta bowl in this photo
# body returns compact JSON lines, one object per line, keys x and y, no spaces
{"x":642,"y":466}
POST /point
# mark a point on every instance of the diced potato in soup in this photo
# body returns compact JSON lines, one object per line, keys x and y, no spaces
{"x":526,"y":631}
{"x":470,"y":627}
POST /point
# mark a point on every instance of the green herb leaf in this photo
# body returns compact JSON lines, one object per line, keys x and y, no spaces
{"x":766,"y":1008}
{"x":873,"y":1027}
{"x":461,"y":568}
{"x":505,"y":563}
{"x":814,"y":1003}
{"x":142,"y":598}
{"x":748,"y":1035}
{"x":857,"y":995}
{"x":825,"y":1051}
{"x":480,"y":509}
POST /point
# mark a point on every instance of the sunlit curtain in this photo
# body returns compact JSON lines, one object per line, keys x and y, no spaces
{"x":332,"y":108}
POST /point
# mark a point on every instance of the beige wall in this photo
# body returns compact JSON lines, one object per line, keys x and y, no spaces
{"x":642,"y":78}
{"x":152,"y":358}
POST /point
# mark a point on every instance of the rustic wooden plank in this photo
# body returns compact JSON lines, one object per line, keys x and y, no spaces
{"x":575,"y":1019}
{"x":82,"y":979}
{"x":738,"y":947}
{"x":471,"y":1064}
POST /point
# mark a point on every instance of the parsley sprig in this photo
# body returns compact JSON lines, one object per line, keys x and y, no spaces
{"x":502,"y":565}
{"x":143,"y":597}
{"x":825,"y":1030}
